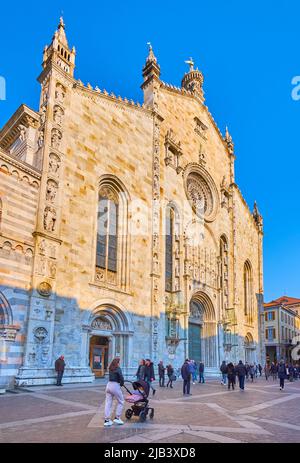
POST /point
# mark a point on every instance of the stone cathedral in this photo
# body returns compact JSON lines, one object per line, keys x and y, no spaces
{"x":122,"y":230}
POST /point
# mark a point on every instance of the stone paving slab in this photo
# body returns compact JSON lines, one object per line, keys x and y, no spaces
{"x":212,"y":414}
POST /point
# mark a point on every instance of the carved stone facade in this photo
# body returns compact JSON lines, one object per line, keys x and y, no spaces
{"x":92,"y":247}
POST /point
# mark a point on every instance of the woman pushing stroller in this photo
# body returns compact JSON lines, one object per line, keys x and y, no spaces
{"x":113,"y":390}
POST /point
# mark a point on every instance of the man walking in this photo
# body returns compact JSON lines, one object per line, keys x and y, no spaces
{"x":241,"y":372}
{"x":186,"y":376}
{"x":201,"y":373}
{"x":161,"y":374}
{"x":60,"y":368}
{"x":149,"y":374}
{"x":223,"y":369}
{"x":281,"y":374}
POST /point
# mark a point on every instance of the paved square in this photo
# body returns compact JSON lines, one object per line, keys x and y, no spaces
{"x":74,"y":413}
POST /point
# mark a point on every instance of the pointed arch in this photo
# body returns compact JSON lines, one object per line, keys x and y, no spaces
{"x":248,"y":292}
{"x":6,"y":315}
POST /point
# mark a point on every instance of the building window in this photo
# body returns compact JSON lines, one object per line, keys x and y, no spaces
{"x":282,"y":316}
{"x":248,"y":291}
{"x":270,"y":334}
{"x":111,"y":242}
{"x":107,"y":235}
{"x":270,"y":316}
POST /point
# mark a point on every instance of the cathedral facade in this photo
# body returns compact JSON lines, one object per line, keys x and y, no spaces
{"x":122,"y":230}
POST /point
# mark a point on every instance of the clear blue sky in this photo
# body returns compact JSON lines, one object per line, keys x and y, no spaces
{"x":248,"y":51}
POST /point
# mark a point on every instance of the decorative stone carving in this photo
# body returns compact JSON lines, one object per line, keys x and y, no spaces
{"x":49,"y":219}
{"x":56,"y":137}
{"x":43,"y":115}
{"x":60,"y":93}
{"x":173,"y":151}
{"x":51,"y":191}
{"x":100,"y":323}
{"x":52,"y":269}
{"x":42,"y":266}
{"x":58,"y":114}
{"x":44,"y":289}
{"x":40,"y":334}
{"x":42,"y":247}
{"x":200,"y":128}
{"x":41,"y":139}
{"x":23,"y":132}
{"x":54,"y":163}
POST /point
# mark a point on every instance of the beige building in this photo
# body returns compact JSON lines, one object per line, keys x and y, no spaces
{"x":281,"y":328}
{"x":122,"y":231}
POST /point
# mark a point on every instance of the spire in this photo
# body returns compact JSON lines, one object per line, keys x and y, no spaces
{"x":229,"y":141}
{"x":151,"y":69}
{"x":151,"y":57}
{"x":58,"y":52}
{"x":193,"y":80}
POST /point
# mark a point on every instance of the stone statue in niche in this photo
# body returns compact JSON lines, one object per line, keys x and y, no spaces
{"x":49,"y":218}
{"x":41,"y":139}
{"x":42,"y":266}
{"x":54,"y":163}
{"x":60,"y":93}
{"x":42,"y":247}
{"x":43,"y":115}
{"x":57,"y":115}
{"x":56,"y":137}
{"x":45,"y":94}
{"x":22,"y":130}
{"x":51,"y":191}
{"x":52,"y":269}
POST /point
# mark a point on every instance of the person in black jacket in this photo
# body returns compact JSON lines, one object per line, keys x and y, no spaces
{"x":223,"y":369}
{"x":170,"y":373}
{"x":149,"y":374}
{"x":241,"y":373}
{"x":113,"y":391}
{"x":281,"y":374}
{"x":186,"y":376}
{"x":161,"y":373}
{"x":231,"y":375}
{"x":60,"y":368}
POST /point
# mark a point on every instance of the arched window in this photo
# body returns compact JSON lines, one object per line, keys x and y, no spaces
{"x":107,"y":233}
{"x":112,"y":239}
{"x":248,"y":292}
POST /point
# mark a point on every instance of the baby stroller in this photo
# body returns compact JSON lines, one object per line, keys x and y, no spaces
{"x":139,"y":400}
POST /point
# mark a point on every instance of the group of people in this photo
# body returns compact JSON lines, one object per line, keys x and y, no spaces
{"x":291,"y":372}
{"x":145,"y":372}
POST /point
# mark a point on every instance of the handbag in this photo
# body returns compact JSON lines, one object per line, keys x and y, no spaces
{"x":173,"y":377}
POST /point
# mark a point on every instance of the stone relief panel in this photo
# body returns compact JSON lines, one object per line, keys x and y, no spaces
{"x":51,"y":191}
{"x":54,"y":164}
{"x":60,"y":92}
{"x":56,"y":137}
{"x":58,"y":114}
{"x":49,"y":219}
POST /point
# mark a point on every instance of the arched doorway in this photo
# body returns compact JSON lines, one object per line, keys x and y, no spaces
{"x":250,"y":349}
{"x":110,"y":333}
{"x":202,"y":331}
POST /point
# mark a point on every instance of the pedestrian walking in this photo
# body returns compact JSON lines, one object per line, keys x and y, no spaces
{"x":149,"y":376}
{"x":161,"y":374}
{"x":281,"y":374}
{"x":223,"y":369}
{"x":231,"y":375}
{"x":247,"y":367}
{"x":140,"y":374}
{"x":60,"y":368}
{"x":252,"y":372}
{"x":291,"y":372}
{"x":186,"y":376}
{"x":171,"y":376}
{"x":260,"y":369}
{"x":113,"y":391}
{"x":241,"y":372}
{"x":267,"y":371}
{"x":201,"y":373}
